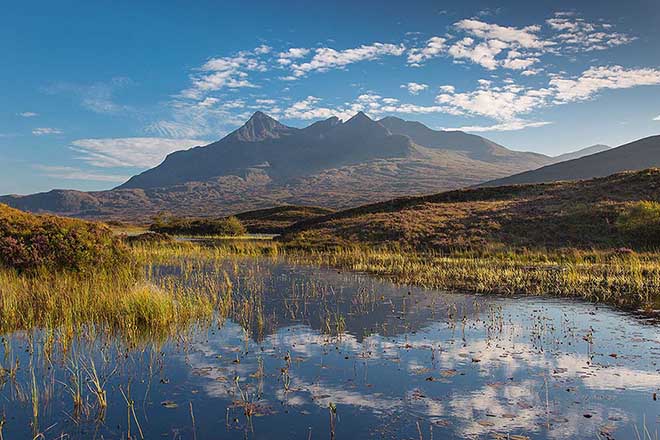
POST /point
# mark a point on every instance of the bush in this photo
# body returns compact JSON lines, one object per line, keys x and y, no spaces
{"x":30,"y":241}
{"x":230,"y":226}
{"x":640,"y":223}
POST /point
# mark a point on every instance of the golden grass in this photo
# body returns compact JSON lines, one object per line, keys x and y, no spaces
{"x":627,"y":280}
{"x":122,"y":300}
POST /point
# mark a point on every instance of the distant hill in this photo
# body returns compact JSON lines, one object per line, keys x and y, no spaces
{"x":276,"y":220}
{"x":637,"y":155}
{"x":264,"y":163}
{"x":580,"y":153}
{"x":554,"y":215}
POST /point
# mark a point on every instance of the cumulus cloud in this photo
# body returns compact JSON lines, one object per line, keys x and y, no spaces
{"x":414,"y":88}
{"x":73,"y":173}
{"x":502,"y":103}
{"x":129,"y":152}
{"x":657,"y":118}
{"x":42,"y":131}
{"x":294,"y":53}
{"x":226,"y":72}
{"x":520,"y":37}
{"x":595,"y":79}
{"x":486,"y":44}
{"x":326,"y":58}
{"x":434,"y":47}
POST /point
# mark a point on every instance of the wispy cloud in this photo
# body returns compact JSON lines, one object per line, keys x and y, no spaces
{"x":97,"y":97}
{"x":129,"y":152}
{"x":28,"y":114}
{"x":73,"y":173}
{"x":504,"y":126}
{"x":42,"y":131}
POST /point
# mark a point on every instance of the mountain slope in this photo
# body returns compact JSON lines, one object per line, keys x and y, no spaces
{"x":581,"y":214}
{"x":264,"y":163}
{"x":580,"y":153}
{"x":475,"y":147}
{"x":641,"y":154}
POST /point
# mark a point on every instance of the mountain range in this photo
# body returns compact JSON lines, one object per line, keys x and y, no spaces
{"x":264,"y":163}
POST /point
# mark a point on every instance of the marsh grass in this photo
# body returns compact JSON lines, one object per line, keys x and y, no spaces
{"x":122,"y":300}
{"x":619,"y":277}
{"x":622,"y":279}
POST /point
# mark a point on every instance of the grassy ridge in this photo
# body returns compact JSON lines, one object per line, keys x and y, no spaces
{"x":616,"y":211}
{"x":276,"y":220}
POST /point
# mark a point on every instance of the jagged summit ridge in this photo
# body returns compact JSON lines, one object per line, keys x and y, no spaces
{"x":259,"y":127}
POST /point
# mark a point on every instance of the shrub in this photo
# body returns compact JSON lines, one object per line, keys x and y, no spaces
{"x":30,"y":241}
{"x":640,"y":223}
{"x":230,"y":226}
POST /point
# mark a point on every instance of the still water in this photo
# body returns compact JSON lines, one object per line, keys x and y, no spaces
{"x":346,"y":356}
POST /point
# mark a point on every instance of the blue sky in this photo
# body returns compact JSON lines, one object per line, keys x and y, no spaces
{"x":94,"y":92}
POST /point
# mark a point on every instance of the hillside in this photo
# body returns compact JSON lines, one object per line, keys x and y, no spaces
{"x":276,"y":220}
{"x":29,"y":241}
{"x":580,"y":214}
{"x":580,"y":153}
{"x":264,"y":163}
{"x":638,"y":155}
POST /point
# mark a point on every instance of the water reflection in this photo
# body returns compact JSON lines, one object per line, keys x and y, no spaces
{"x":395,"y":362}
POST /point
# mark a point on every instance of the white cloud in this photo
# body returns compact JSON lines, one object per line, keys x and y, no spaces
{"x":28,"y":114}
{"x":525,"y":37}
{"x":596,"y":79}
{"x":308,"y":109}
{"x":263,"y":49}
{"x":226,"y":72}
{"x":326,"y":58}
{"x":434,"y":47}
{"x":414,"y":88}
{"x":284,"y":58}
{"x":657,"y":118}
{"x":500,"y":103}
{"x":522,"y":45}
{"x":42,"y":131}
{"x":578,"y":34}
{"x":483,"y":53}
{"x":518,"y":124}
{"x":72,"y":173}
{"x":129,"y":152}
{"x":97,"y":97}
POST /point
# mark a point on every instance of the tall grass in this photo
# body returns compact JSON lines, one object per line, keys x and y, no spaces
{"x":619,"y":277}
{"x":123,"y":300}
{"x":622,"y":279}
